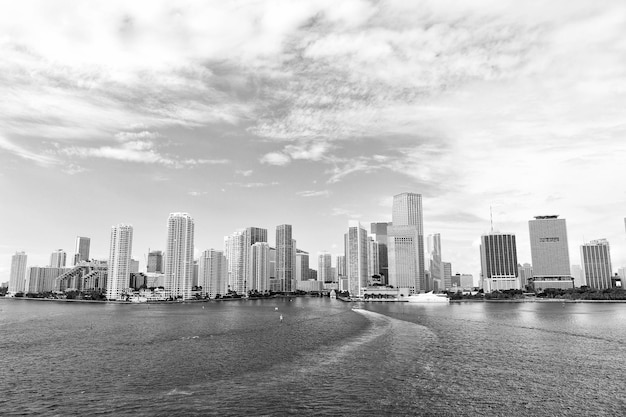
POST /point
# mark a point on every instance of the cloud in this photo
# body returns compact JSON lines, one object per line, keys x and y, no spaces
{"x":275,"y":158}
{"x":197,"y":193}
{"x":245,"y":173}
{"x":40,"y":159}
{"x":310,"y":193}
{"x":254,"y":184}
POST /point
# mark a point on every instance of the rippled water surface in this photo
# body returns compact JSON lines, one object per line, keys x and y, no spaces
{"x":324,"y":358}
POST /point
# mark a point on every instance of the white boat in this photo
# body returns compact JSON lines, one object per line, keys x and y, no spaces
{"x":427,"y":297}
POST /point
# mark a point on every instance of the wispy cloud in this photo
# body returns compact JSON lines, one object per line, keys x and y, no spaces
{"x":41,"y":159}
{"x":254,"y":184}
{"x":275,"y":158}
{"x":311,"y":193}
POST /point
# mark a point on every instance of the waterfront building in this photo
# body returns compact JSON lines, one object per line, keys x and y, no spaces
{"x":251,"y":235}
{"x":356,"y":258}
{"x":447,"y":275}
{"x":138,"y":280}
{"x":17,"y":279}
{"x":340,"y":261}
{"x":213,"y":273}
{"x":260,"y":267}
{"x":311,"y":285}
{"x":82,"y":249}
{"x":525,"y":273}
{"x":179,"y":255}
{"x":373,"y":266}
{"x":436,"y":281}
{"x":379,"y":233}
{"x":285,"y":257}
{"x":118,"y":279}
{"x":550,"y":253}
{"x":498,"y":255}
{"x":405,"y":243}
{"x":462,"y":282}
{"x":155,"y":262}
{"x":234,"y":252}
{"x":596,"y":264}
{"x":87,"y":275}
{"x":579,"y":276}
{"x":58,"y":258}
{"x":40,"y":279}
{"x":302,"y":265}
{"x":324,"y":268}
{"x":134,"y":266}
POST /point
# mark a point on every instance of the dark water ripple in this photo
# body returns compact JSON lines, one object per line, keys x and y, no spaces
{"x":237,"y":358}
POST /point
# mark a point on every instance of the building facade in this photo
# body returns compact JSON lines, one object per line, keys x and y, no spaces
{"x":498,"y":255}
{"x":324,"y":267}
{"x":435,"y":264}
{"x":118,"y":279}
{"x":379,"y":234}
{"x":260,"y":267}
{"x":550,"y":253}
{"x":179,"y":248}
{"x":356,"y":258}
{"x":58,"y":259}
{"x":81,"y":254}
{"x":302,"y":265}
{"x":596,"y":264}
{"x":155,"y":262}
{"x":213,"y":273}
{"x":17,"y":279}
{"x":285,"y":257}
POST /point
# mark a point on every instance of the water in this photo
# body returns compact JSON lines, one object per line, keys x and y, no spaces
{"x":238,"y":358}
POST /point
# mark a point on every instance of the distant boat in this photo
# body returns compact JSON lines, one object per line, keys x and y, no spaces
{"x":428,"y":297}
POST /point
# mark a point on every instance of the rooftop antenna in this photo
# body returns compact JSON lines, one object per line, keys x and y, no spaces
{"x":491,"y":218}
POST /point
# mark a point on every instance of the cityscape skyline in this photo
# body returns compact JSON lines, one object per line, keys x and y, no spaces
{"x":310,"y":115}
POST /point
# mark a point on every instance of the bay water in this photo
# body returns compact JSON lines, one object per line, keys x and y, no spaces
{"x":325,"y":357}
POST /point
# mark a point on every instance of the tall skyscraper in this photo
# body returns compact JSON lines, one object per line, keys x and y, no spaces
{"x":251,"y":235}
{"x":17,"y":279}
{"x":302,"y":265}
{"x":42,"y":279}
{"x":525,"y":273}
{"x":324,"y":267}
{"x":549,"y":249}
{"x":341,"y":266}
{"x":498,"y":255}
{"x":179,"y":263}
{"x":234,"y":251}
{"x":285,"y":257}
{"x":596,"y":260}
{"x":82,"y":249}
{"x":447,"y":275}
{"x":436,"y":282}
{"x":213,"y":273}
{"x":119,"y":261}
{"x":379,"y":232}
{"x":260,"y":267}
{"x":405,"y":243}
{"x":57,"y":259}
{"x":356,"y":258}
{"x":155,"y":262}
{"x":373,"y":262}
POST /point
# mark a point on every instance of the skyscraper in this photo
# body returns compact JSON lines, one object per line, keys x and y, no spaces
{"x":596,"y":264}
{"x":447,"y":275}
{"x":435,"y":267}
{"x":324,"y":267}
{"x":373,"y":262}
{"x":155,"y":262}
{"x":179,"y":255}
{"x":57,"y":259}
{"x":251,"y":235}
{"x":379,"y":232}
{"x":234,"y":251}
{"x":260,"y":267}
{"x":356,"y":258}
{"x":213,"y":273}
{"x":82,"y":249}
{"x":498,"y":255}
{"x":550,"y":252}
{"x":285,"y":257}
{"x":302,"y":265}
{"x":119,"y":261}
{"x":17,"y":279}
{"x":405,"y":243}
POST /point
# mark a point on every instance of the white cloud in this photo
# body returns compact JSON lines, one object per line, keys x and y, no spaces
{"x":44,"y":160}
{"x":311,"y":193}
{"x":275,"y":158}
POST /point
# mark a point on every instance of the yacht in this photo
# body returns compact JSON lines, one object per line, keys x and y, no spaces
{"x":427,"y":297}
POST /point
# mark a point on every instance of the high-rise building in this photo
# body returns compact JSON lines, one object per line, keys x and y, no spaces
{"x":525,"y":273}
{"x":302,"y":265}
{"x":436,"y":281}
{"x":119,"y":261}
{"x":213,"y":273}
{"x":234,"y":252}
{"x":550,"y":253}
{"x":251,"y":235}
{"x":498,"y":255}
{"x":285,"y":257}
{"x":356,"y":258}
{"x":179,"y":255}
{"x":373,"y":262}
{"x":596,"y":264}
{"x":82,"y":249}
{"x":379,"y":232}
{"x":324,"y":267}
{"x":42,"y":279}
{"x":17,"y":279}
{"x":405,"y":243}
{"x":579,"y":276}
{"x":155,"y":262}
{"x":58,"y":258}
{"x":447,"y":275}
{"x":259,"y":267}
{"x":341,"y":266}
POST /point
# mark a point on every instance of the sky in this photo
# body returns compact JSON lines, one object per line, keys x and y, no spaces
{"x":310,"y":113}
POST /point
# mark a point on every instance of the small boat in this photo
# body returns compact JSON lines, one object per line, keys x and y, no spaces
{"x":427,"y":297}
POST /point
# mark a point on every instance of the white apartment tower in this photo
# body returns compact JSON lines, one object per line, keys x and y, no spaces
{"x":234,"y":249}
{"x":118,"y":277}
{"x":179,"y":265}
{"x":596,"y":264}
{"x":324,"y":267}
{"x":58,"y":258}
{"x":259,"y":267}
{"x":356,"y":258}
{"x":17,"y":279}
{"x":405,"y":243}
{"x":212,"y":273}
{"x":285,"y":257}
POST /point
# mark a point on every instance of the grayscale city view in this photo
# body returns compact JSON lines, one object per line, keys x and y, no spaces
{"x":309,"y":207}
